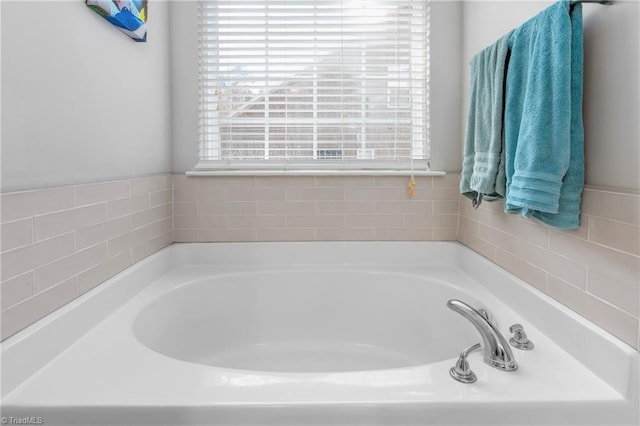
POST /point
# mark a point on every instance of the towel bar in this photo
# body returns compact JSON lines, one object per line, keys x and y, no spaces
{"x":605,"y":2}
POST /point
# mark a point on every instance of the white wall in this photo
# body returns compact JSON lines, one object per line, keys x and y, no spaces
{"x":81,"y":101}
{"x":184,"y":84}
{"x":446,"y":47}
{"x":611,"y":85}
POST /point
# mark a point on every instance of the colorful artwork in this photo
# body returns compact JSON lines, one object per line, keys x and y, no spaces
{"x":130,"y":16}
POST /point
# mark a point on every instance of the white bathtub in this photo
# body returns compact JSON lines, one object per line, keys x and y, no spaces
{"x":312,"y":334}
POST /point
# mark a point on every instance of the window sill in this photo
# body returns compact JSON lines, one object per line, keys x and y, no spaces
{"x":320,"y":172}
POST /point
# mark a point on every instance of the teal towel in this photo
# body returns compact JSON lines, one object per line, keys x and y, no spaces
{"x":544,"y":137}
{"x":483,"y":164}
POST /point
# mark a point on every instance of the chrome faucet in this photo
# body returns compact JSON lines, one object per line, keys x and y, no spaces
{"x":496,"y":349}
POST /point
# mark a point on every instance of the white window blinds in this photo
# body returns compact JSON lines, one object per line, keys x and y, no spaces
{"x":314,"y":81}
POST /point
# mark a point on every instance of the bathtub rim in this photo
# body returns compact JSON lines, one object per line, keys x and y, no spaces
{"x":73,"y":320}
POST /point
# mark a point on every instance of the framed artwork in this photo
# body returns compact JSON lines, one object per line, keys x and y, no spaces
{"x":129,"y":16}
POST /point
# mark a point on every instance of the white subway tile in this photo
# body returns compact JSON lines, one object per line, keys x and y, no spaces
{"x":366,"y":194}
{"x":209,"y":195}
{"x":153,"y":214}
{"x":430,"y":221}
{"x":258,"y":195}
{"x":284,"y":181}
{"x":402,"y":182}
{"x":21,"y":260}
{"x":21,"y":205}
{"x":496,"y":237}
{"x":127,"y":241}
{"x":528,"y":230}
{"x":17,"y":289}
{"x":450,"y":180}
{"x":256,"y":222}
{"x":471,"y":226}
{"x":183,"y":181}
{"x":16,"y":234}
{"x":344,"y":181}
{"x":611,"y":205}
{"x":445,"y":234}
{"x":617,"y":235}
{"x":524,"y":270}
{"x":566,"y":269}
{"x":52,"y":224}
{"x":199,"y":222}
{"x":127,"y":206}
{"x":345,"y":234}
{"x":145,"y":185}
{"x":446,"y":207}
{"x":313,"y":194}
{"x":185,"y":209}
{"x":344,"y":207}
{"x":187,"y":235}
{"x":623,"y":295}
{"x":404,"y":234}
{"x":316,"y":221}
{"x":224,"y":235}
{"x":32,"y":309}
{"x":226,"y":182}
{"x":159,"y":197}
{"x":158,"y":183}
{"x":161,"y":227}
{"x":185,"y":195}
{"x":286,"y":234}
{"x":70,"y":266}
{"x":101,"y":192}
{"x":617,"y":322}
{"x":102,"y":272}
{"x":95,"y":234}
{"x":374,"y":221}
{"x":480,"y":246}
{"x":168,"y":181}
{"x":140,"y":186}
{"x":620,"y":266}
{"x":400,"y":207}
{"x":227,"y":208}
{"x":286,"y":207}
{"x":432,"y":194}
{"x":152,"y":246}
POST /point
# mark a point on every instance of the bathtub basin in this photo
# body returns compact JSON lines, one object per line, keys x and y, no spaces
{"x":311,"y":334}
{"x":307,"y":320}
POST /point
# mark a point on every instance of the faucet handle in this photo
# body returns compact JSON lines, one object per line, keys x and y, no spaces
{"x":462,"y":371}
{"x":520,"y":339}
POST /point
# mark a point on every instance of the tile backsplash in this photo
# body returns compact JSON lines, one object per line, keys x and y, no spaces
{"x":320,"y":208}
{"x":594,"y":270}
{"x":59,"y":243}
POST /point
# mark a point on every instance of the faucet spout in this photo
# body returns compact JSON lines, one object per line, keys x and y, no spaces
{"x":496,"y":349}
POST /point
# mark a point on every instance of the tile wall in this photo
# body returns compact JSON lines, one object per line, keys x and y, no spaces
{"x":594,"y":270}
{"x":58,"y":243}
{"x":308,"y":208}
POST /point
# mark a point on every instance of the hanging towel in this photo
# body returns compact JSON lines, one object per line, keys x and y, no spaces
{"x":544,"y":136}
{"x":483,"y":164}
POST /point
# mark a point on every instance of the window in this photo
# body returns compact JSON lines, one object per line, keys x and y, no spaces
{"x":314,"y":83}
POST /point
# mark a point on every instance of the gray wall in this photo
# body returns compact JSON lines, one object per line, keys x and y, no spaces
{"x":446,"y":68}
{"x":611,"y":84}
{"x":81,"y":101}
